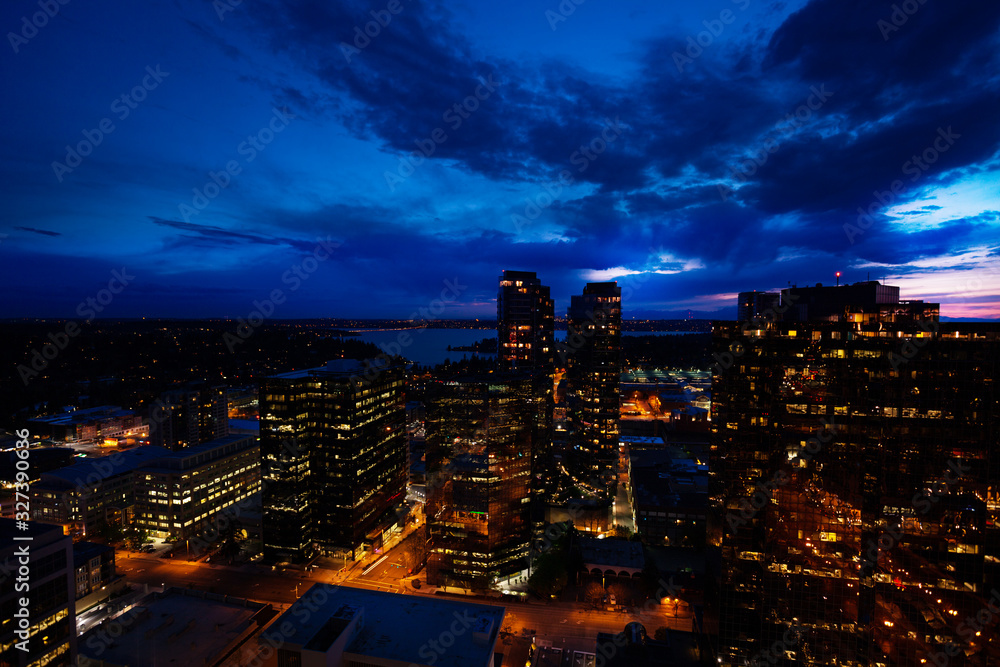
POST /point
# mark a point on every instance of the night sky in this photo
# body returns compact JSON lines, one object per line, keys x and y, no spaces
{"x":591,"y":141}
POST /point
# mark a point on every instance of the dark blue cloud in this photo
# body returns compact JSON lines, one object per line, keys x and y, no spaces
{"x":673,"y":185}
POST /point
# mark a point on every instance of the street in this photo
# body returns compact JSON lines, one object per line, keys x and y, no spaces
{"x":554,"y":621}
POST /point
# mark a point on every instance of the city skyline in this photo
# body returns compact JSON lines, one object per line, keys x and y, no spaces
{"x":191,"y":159}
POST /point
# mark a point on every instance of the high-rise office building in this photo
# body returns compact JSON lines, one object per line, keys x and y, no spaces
{"x":189,"y":415}
{"x":333,"y":456}
{"x":526,"y":342}
{"x":480,"y":432}
{"x":592,"y":352}
{"x":37,"y":595}
{"x":751,"y":305}
{"x":853,"y":478}
{"x":863,"y":302}
{"x":525,"y":323}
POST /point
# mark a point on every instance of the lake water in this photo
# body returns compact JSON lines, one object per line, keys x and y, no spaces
{"x":430,"y":346}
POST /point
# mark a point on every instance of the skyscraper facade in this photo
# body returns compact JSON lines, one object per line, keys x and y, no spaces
{"x":592,"y":352}
{"x":480,"y":432}
{"x":526,"y":342}
{"x":333,"y":457}
{"x":189,"y":415}
{"x":525,"y":323}
{"x":751,"y":305}
{"x":853,"y":476}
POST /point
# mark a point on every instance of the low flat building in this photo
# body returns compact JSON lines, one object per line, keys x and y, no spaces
{"x":611,"y":558}
{"x":83,"y":496}
{"x":333,"y":626}
{"x":176,"y":627}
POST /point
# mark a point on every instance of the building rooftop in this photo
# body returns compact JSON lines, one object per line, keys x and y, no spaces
{"x":612,"y":552}
{"x":641,"y":440}
{"x":661,"y":478}
{"x":84,"y":551}
{"x":173,"y":628}
{"x":91,"y":471}
{"x":147,"y":457}
{"x":35,"y":530}
{"x":244,"y":426}
{"x":190,"y":457}
{"x":345,"y":368}
{"x":83,"y":416}
{"x":393,"y":627}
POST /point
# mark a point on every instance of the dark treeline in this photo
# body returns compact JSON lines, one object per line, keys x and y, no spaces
{"x":128,"y":363}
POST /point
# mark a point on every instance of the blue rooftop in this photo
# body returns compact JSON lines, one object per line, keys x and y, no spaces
{"x":392,"y":626}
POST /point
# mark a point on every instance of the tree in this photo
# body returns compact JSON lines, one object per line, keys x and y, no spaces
{"x":594,"y":593}
{"x":110,"y":532}
{"x":549,"y":576}
{"x":619,"y":590}
{"x":232,"y":537}
{"x":620,"y":531}
{"x":135,"y":537}
{"x":414,"y":549}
